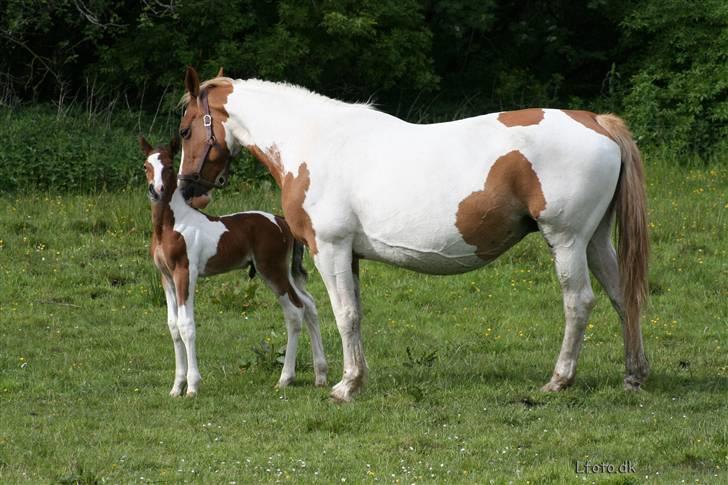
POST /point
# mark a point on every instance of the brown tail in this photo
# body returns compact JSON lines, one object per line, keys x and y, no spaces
{"x":633,"y":245}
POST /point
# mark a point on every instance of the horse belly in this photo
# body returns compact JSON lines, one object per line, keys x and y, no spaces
{"x":448,"y":255}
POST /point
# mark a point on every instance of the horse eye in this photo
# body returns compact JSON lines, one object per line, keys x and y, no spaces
{"x":184,"y":133}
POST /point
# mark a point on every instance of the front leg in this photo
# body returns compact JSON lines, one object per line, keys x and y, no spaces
{"x":180,"y":354}
{"x":334,"y":262}
{"x":185,"y":280}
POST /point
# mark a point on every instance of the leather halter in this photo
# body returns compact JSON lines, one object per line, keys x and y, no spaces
{"x":196,"y":177}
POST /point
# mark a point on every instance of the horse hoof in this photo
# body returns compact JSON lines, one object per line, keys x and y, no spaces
{"x":555,"y":385}
{"x":340,"y":393}
{"x":175,"y":392}
{"x":321,"y":381}
{"x":191,"y":394}
{"x":633,"y":384}
{"x":284,"y":382}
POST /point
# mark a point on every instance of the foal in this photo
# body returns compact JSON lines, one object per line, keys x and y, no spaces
{"x":187,"y":244}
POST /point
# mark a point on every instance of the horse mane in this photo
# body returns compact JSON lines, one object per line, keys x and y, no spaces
{"x":273,"y":88}
{"x":210,"y":83}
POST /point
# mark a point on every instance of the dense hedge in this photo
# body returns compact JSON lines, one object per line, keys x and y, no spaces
{"x":74,"y":151}
{"x":662,"y":63}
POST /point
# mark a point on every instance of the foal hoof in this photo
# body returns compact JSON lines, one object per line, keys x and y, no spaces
{"x":556,"y":384}
{"x":284,"y":382}
{"x":178,"y":390}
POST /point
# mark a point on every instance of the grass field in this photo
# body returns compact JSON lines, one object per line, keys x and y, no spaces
{"x":455,"y":363}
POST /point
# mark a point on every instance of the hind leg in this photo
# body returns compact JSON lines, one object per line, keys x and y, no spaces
{"x":294,"y":321}
{"x":571,"y":268}
{"x":603,"y":263}
{"x":310,"y":315}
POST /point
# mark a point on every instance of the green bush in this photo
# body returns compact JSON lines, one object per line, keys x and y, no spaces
{"x":679,"y":94}
{"x":73,"y":151}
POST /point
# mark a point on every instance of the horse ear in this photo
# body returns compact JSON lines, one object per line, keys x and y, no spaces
{"x":192,"y":82}
{"x":145,"y":146}
{"x":220,"y":73}
{"x":174,"y":146}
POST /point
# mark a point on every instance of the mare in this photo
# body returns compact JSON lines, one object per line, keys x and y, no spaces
{"x":442,"y":198}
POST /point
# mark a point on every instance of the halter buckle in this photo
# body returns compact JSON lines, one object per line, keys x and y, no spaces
{"x":207,"y":120}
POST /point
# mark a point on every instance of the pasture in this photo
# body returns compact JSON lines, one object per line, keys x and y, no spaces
{"x":86,"y":360}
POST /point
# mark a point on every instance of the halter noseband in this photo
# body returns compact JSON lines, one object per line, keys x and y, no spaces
{"x":195,"y":177}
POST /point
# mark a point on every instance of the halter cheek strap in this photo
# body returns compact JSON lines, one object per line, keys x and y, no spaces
{"x":196,"y":176}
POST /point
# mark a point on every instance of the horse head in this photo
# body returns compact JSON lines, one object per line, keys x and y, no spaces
{"x":161,"y":180}
{"x":206,"y":149}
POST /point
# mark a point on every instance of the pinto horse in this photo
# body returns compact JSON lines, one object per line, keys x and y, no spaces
{"x":187,"y":244}
{"x":441,"y":198}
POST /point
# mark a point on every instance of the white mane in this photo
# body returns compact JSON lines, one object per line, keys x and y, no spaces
{"x":299,"y":92}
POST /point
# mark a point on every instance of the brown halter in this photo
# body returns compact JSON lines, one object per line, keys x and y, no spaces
{"x":195,"y":177}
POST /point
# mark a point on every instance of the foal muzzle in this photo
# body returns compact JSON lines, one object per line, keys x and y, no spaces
{"x":153,"y":195}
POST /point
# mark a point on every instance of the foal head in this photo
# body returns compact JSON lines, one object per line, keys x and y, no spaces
{"x":161,"y":179}
{"x":206,"y":152}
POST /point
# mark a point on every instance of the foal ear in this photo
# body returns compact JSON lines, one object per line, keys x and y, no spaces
{"x":220,"y":73}
{"x":192,"y":82}
{"x":174,"y":146}
{"x":145,"y":146}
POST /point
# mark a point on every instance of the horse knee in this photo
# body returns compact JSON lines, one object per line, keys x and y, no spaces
{"x":187,"y":329}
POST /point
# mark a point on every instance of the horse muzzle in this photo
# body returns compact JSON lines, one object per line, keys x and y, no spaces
{"x":152,"y":193}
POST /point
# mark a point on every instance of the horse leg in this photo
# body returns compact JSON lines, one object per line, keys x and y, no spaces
{"x":180,"y":356}
{"x":571,"y":268}
{"x":334,"y":263}
{"x":310,"y":315}
{"x":185,"y":280}
{"x":603,"y":263}
{"x":294,"y":318}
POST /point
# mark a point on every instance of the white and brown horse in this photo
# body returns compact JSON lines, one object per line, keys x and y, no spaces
{"x":441,"y":198}
{"x":187,"y":244}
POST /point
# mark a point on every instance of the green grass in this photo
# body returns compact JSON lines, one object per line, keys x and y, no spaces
{"x":86,"y":361}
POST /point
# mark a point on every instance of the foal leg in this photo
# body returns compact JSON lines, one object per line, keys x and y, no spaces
{"x":294,"y":321}
{"x":571,"y":268}
{"x":310,"y":315}
{"x":603,"y":263}
{"x":185,"y":281}
{"x":334,"y":262}
{"x":180,"y":356}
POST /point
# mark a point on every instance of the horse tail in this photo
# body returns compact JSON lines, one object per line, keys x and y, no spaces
{"x":299,"y":273}
{"x":633,"y":245}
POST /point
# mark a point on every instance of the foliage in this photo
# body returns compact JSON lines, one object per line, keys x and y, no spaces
{"x":662,"y":63}
{"x":75,"y":150}
{"x":679,"y":93}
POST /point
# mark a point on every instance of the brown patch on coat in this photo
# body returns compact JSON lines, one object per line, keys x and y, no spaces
{"x":497,"y":217}
{"x":587,"y":119}
{"x":292,"y":196}
{"x":523,"y":117}
{"x":194,"y":145}
{"x":271,"y":159}
{"x":254,"y":239}
{"x":168,"y":248}
{"x":169,"y":251}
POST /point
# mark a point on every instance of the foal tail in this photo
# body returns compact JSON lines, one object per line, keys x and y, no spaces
{"x":299,"y":273}
{"x":633,"y":246}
